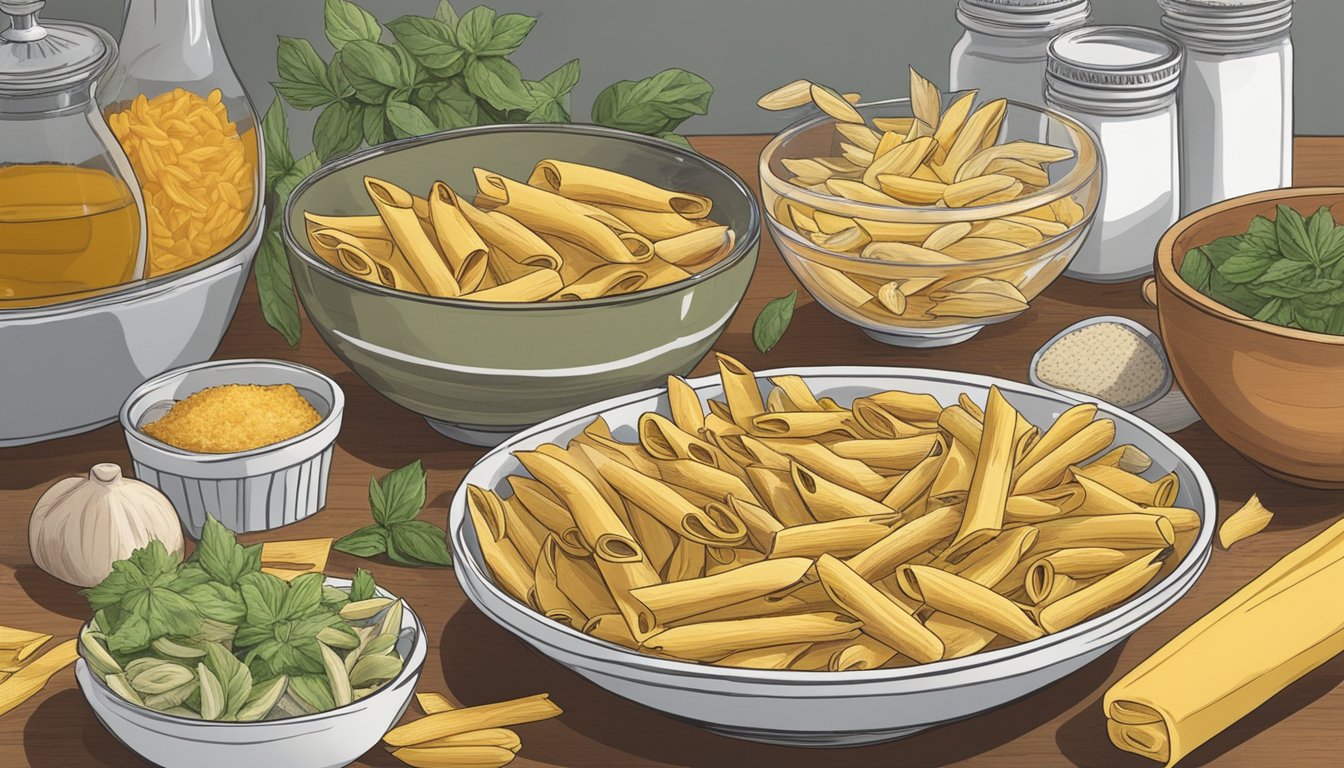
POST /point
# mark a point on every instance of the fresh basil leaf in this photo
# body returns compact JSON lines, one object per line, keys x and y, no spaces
{"x":446,"y":14}
{"x":313,"y":691}
{"x":408,"y":120}
{"x":372,"y":69}
{"x":217,"y":601}
{"x":218,"y":552}
{"x":362,"y":587}
{"x":1270,"y":310}
{"x":345,"y":22}
{"x":336,"y":79}
{"x":1310,"y":322}
{"x":130,"y":636}
{"x":304,"y":596}
{"x":263,"y":596}
{"x":507,"y":33}
{"x":369,"y":541}
{"x":1321,"y":232}
{"x":395,"y":554}
{"x":374,"y":120}
{"x":475,"y":29}
{"x":1195,"y":269}
{"x":562,"y":80}
{"x":1321,"y":285}
{"x":249,"y":636}
{"x":654,"y":105}
{"x":409,"y":72}
{"x":302,"y":169}
{"x":167,"y":613}
{"x":1333,"y":324}
{"x":1263,"y":233}
{"x":499,"y":83}
{"x":275,"y":134}
{"x":339,"y":130}
{"x":404,"y":493}
{"x":430,"y":41}
{"x":773,"y":321}
{"x":548,"y":110}
{"x":450,"y":106}
{"x":1291,"y":230}
{"x":275,"y":287}
{"x":1283,"y":269}
{"x":1243,"y":268}
{"x":422,"y":541}
{"x":1277,"y":290}
{"x":303,"y":75}
{"x":677,"y":139}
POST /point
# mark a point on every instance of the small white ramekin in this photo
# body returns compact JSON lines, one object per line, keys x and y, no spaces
{"x":247,"y":491}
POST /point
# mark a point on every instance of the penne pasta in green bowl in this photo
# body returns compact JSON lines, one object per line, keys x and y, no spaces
{"x":591,"y":262}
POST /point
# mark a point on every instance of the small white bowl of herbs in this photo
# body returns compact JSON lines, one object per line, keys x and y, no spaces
{"x":214,"y":662}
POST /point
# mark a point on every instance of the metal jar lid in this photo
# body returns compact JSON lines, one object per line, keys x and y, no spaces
{"x":1226,"y":24}
{"x":1113,"y":68}
{"x":40,"y":58}
{"x":1006,"y":15}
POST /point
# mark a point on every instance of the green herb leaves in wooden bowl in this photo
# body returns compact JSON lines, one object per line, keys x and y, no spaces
{"x":1287,"y":271}
{"x":215,"y":638}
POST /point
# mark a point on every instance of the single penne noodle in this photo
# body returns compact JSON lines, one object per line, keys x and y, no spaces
{"x":908,"y":406}
{"x":459,"y":242}
{"x":653,"y":224}
{"x":900,"y":454}
{"x":579,"y":460}
{"x":760,"y":524}
{"x":877,"y":421}
{"x":1100,"y":500}
{"x":1025,"y":435}
{"x":962,"y":426}
{"x":538,"y":285}
{"x":547,"y":213}
{"x":672,"y":601}
{"x":467,"y":719}
{"x":1127,"y":457}
{"x":499,"y":230}
{"x":693,"y":247}
{"x":719,"y":430}
{"x":760,"y":453}
{"x":598,"y":185}
{"x":612,"y":628}
{"x":959,"y":637}
{"x":1251,"y":519}
{"x":502,"y":738}
{"x":712,"y":641}
{"x":684,"y":404}
{"x":954,"y":472}
{"x":502,"y":558}
{"x":772,"y":657}
{"x":1059,"y":587}
{"x":993,"y":470}
{"x":393,"y":273}
{"x":1108,"y":591}
{"x":658,"y":540}
{"x":546,"y":507}
{"x":658,"y":272}
{"x":882,"y":619}
{"x":776,"y":402}
{"x":834,"y":283}
{"x":606,"y":280}
{"x":912,"y":490}
{"x":1161,"y":492}
{"x":1049,"y":471}
{"x":433,"y":703}
{"x":521,"y":528}
{"x":821,"y":460}
{"x":776,"y":492}
{"x":882,"y":555}
{"x":1077,"y":563}
{"x":552,"y":601}
{"x":421,"y":254}
{"x":632,"y":456}
{"x":1029,"y":509}
{"x":371,"y":227}
{"x":858,"y":192}
{"x":664,"y":439}
{"x":687,"y":561}
{"x":993,"y":561}
{"x":804,"y":424}
{"x":972,"y":407}
{"x":969,"y":601}
{"x":471,"y":756}
{"x":798,"y":393}
{"x":325,"y":241}
{"x":1067,"y":497}
{"x":579,"y":579}
{"x":807,"y":599}
{"x":820,"y":656}
{"x":1112,"y":531}
{"x":897,"y":232}
{"x":705,"y":479}
{"x":865,"y":652}
{"x":838,"y":537}
{"x":724,"y":560}
{"x":826,"y":500}
{"x":740,"y":390}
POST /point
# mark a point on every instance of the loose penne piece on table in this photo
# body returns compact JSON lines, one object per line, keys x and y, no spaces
{"x":1251,"y":519}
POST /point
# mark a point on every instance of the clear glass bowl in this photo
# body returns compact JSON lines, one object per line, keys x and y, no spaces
{"x":847,"y":284}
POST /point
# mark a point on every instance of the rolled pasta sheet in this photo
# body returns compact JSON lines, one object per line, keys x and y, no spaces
{"x":772,"y":657}
{"x":804,"y":424}
{"x":598,"y":185}
{"x":969,"y":601}
{"x":539,"y":285}
{"x":866,"y":652}
{"x":828,"y":501}
{"x":775,"y":490}
{"x":1161,"y":492}
{"x":461,"y":245}
{"x":911,"y":492}
{"x":1137,"y":531}
{"x":838,"y":537}
{"x":1251,"y":519}
{"x":990,"y":478}
{"x":1108,"y":591}
{"x":684,"y":404}
{"x":606,"y":280}
{"x":672,"y":601}
{"x":697,"y":247}
{"x":395,"y":206}
{"x":883,"y":620}
{"x":546,"y":507}
{"x":612,"y":628}
{"x":714,"y":640}
{"x":882,"y":556}
{"x":894,"y":454}
{"x":653,"y":224}
{"x":1051,"y":469}
{"x":550,"y":214}
{"x":741,"y":391}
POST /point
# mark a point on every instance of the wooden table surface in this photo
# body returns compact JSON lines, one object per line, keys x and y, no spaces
{"x":474,"y":661}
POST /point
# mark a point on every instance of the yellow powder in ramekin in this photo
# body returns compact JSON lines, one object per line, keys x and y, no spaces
{"x":235,"y":417}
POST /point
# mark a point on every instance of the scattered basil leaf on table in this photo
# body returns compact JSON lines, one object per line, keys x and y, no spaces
{"x":773,"y":321}
{"x":395,"y":503}
{"x":426,"y":74}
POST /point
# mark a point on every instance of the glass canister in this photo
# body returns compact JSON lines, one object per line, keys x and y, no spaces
{"x":71,"y":221}
{"x":1121,"y":82}
{"x":1236,"y":96}
{"x":191,"y":133}
{"x":1002,"y":51}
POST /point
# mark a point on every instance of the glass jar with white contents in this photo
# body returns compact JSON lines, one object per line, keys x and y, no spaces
{"x":1121,"y":82}
{"x":1236,"y":96}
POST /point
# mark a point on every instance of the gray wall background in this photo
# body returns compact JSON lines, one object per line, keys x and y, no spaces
{"x":743,"y":47}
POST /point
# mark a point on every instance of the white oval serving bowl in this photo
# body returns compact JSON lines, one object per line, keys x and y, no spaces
{"x":832,"y":708}
{"x":324,"y":740}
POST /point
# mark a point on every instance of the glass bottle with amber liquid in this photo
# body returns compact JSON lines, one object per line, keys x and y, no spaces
{"x":71,"y":220}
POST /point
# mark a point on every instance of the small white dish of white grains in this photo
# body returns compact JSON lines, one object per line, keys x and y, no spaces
{"x":1116,"y":360}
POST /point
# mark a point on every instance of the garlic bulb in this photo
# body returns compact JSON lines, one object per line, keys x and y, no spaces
{"x":81,"y":526}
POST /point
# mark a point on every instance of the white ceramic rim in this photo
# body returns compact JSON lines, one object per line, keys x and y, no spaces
{"x":1188,"y":570}
{"x":1143,"y":332}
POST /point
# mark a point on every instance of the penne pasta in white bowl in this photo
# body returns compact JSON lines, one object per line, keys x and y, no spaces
{"x":919,"y":591}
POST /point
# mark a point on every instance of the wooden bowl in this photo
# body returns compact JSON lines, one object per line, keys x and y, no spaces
{"x":1274,"y":394}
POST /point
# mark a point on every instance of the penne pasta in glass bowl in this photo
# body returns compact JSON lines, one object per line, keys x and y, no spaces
{"x":831,"y":556}
{"x":489,"y":278}
{"x":922,"y":221}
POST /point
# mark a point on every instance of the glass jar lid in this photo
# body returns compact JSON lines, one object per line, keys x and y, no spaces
{"x":42,"y":58}
{"x":1115,"y":58}
{"x":1226,"y":23}
{"x":1006,"y":15}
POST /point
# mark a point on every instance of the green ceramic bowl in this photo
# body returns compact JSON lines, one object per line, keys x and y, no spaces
{"x":479,"y":371}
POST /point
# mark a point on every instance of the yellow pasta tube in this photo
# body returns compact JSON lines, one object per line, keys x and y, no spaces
{"x":772,"y":657}
{"x":696,"y":247}
{"x":962,"y":426}
{"x":549,"y":598}
{"x":579,"y":579}
{"x":969,"y":601}
{"x":1049,"y":471}
{"x":954,"y":472}
{"x":474,"y":756}
{"x":325,"y":242}
{"x":775,"y":490}
{"x":687,"y":561}
{"x":822,"y":461}
{"x":798,"y":393}
{"x":362,"y":227}
{"x":910,"y":407}
{"x":1029,"y":509}
{"x":879,"y":421}
{"x":653,"y":224}
{"x":1251,"y":519}
{"x":1069,"y":423}
{"x":899,"y":454}
{"x":865,"y":652}
{"x":760,"y":524}
{"x":714,"y":640}
{"x":838,"y":537}
{"x":499,"y":230}
{"x":522,"y":529}
{"x":501,"y":738}
{"x":606,"y":280}
{"x":741,"y":391}
{"x":1110,"y":531}
{"x":20,"y":686}
{"x":612,"y":628}
{"x":959,"y":636}
{"x":1100,"y":500}
{"x":989,"y":480}
{"x":598,"y":185}
{"x":467,"y":719}
{"x":829,"y":501}
{"x":658,"y":541}
{"x":543,"y":505}
{"x":703,"y":478}
{"x":882,"y":556}
{"x":910,"y":492}
{"x":537,"y":285}
{"x":1108,"y":591}
{"x":421,"y":254}
{"x":882,"y":619}
{"x":1149,"y":493}
{"x":994,"y":560}
{"x":1076,"y":563}
{"x":665,"y":439}
{"x":578,"y":459}
{"x":462,"y":247}
{"x":672,"y":601}
{"x":658,"y":273}
{"x":803,"y":424}
{"x":1127,"y":457}
{"x":684,"y":405}
{"x":502,"y":558}
{"x":550,"y":214}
